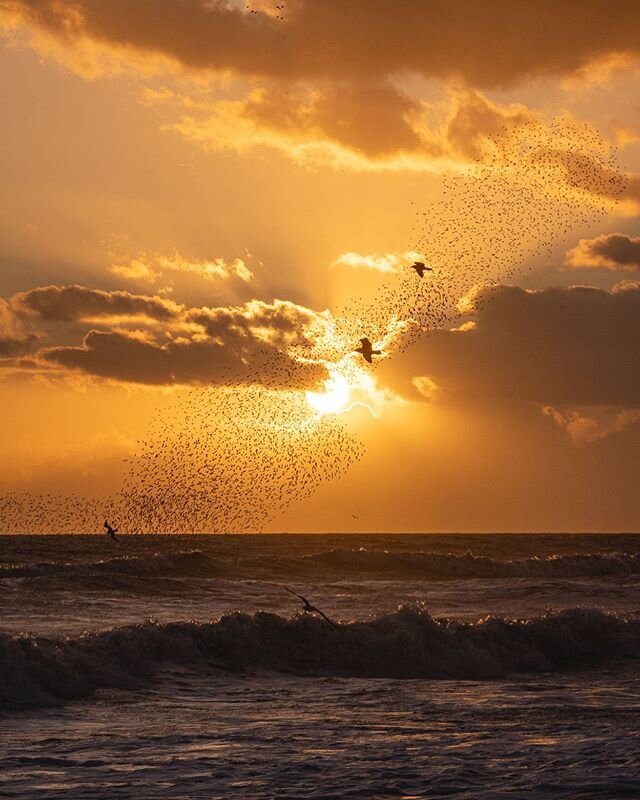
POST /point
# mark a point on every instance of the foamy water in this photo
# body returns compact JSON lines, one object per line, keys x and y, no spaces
{"x":490,"y":666}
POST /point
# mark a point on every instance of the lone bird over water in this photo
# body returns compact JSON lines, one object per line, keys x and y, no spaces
{"x":420,"y":267}
{"x":366,"y":348}
{"x":111,"y":532}
{"x":309,"y":608}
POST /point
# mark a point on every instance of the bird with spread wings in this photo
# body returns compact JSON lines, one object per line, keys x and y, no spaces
{"x":309,"y":608}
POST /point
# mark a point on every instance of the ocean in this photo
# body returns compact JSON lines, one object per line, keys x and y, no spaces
{"x":450,"y":666}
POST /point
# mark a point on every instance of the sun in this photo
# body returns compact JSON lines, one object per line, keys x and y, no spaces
{"x":334,"y":399}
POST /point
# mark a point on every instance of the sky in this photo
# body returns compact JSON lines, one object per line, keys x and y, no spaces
{"x":205,"y":205}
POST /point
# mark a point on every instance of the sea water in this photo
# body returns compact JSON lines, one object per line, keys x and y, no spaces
{"x":502,"y":666}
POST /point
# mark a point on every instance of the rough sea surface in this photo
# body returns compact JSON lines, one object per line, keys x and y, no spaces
{"x":458,"y":667}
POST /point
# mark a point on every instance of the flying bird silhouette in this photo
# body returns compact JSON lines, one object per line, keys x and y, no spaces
{"x":366,"y":348}
{"x":420,"y":267}
{"x":309,"y":608}
{"x":111,"y":532}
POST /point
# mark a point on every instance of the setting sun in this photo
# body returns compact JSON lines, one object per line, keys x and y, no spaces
{"x":334,"y":399}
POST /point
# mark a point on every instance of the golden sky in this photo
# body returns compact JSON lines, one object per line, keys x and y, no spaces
{"x":224,"y":197}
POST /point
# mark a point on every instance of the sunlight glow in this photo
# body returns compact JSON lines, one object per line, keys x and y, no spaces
{"x":334,"y":399}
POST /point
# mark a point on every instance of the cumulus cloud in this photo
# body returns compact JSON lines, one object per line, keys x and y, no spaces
{"x":258,"y":342}
{"x":78,"y":303}
{"x":281,"y":323}
{"x":613,"y":251}
{"x":128,"y":357}
{"x":562,"y":347}
{"x":485,"y":45}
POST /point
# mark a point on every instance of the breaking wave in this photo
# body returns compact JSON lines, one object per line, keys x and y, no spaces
{"x":406,"y":644}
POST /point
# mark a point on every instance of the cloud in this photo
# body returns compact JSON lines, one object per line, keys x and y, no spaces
{"x":562,"y":347}
{"x":13,"y":346}
{"x":366,"y":127}
{"x":14,"y":341}
{"x":150,"y":266}
{"x":373,"y":120}
{"x":77,"y":303}
{"x":625,"y":134}
{"x":326,"y":80}
{"x":271,"y":344}
{"x":128,"y":357}
{"x":586,"y":427}
{"x":281,"y":323}
{"x":476,"y":119}
{"x":613,"y":251}
{"x":390,"y":262}
{"x":484,"y":45}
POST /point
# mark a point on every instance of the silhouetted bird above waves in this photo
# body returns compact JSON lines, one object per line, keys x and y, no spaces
{"x":111,"y":532}
{"x":309,"y":608}
{"x":420,"y":267}
{"x":366,"y":348}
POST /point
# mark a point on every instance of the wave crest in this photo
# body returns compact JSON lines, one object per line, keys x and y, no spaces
{"x":406,"y":644}
{"x":467,"y":565}
{"x":184,"y":563}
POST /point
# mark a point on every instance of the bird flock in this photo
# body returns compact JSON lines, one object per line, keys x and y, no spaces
{"x":228,"y":458}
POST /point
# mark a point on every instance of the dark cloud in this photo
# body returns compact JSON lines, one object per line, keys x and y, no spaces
{"x":13,"y":341}
{"x":73,"y":303}
{"x":123,"y":356}
{"x":13,"y":346}
{"x":375,"y":120}
{"x":241,"y":344}
{"x":614,"y":251}
{"x":575,"y":346}
{"x":486,"y":44}
{"x":476,"y":118}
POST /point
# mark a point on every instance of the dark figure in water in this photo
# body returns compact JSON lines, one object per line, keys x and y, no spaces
{"x":111,"y":532}
{"x":309,"y":608}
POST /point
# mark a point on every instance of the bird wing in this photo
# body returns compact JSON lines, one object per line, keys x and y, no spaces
{"x":365,"y":342}
{"x":367,"y":357}
{"x":324,"y":616}
{"x":299,"y":596}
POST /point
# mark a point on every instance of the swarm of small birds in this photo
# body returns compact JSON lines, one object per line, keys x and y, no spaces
{"x":230,"y":458}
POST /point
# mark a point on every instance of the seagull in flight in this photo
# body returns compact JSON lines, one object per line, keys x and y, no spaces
{"x":420,"y":267}
{"x":111,"y":531}
{"x":366,"y":348}
{"x":309,"y":608}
